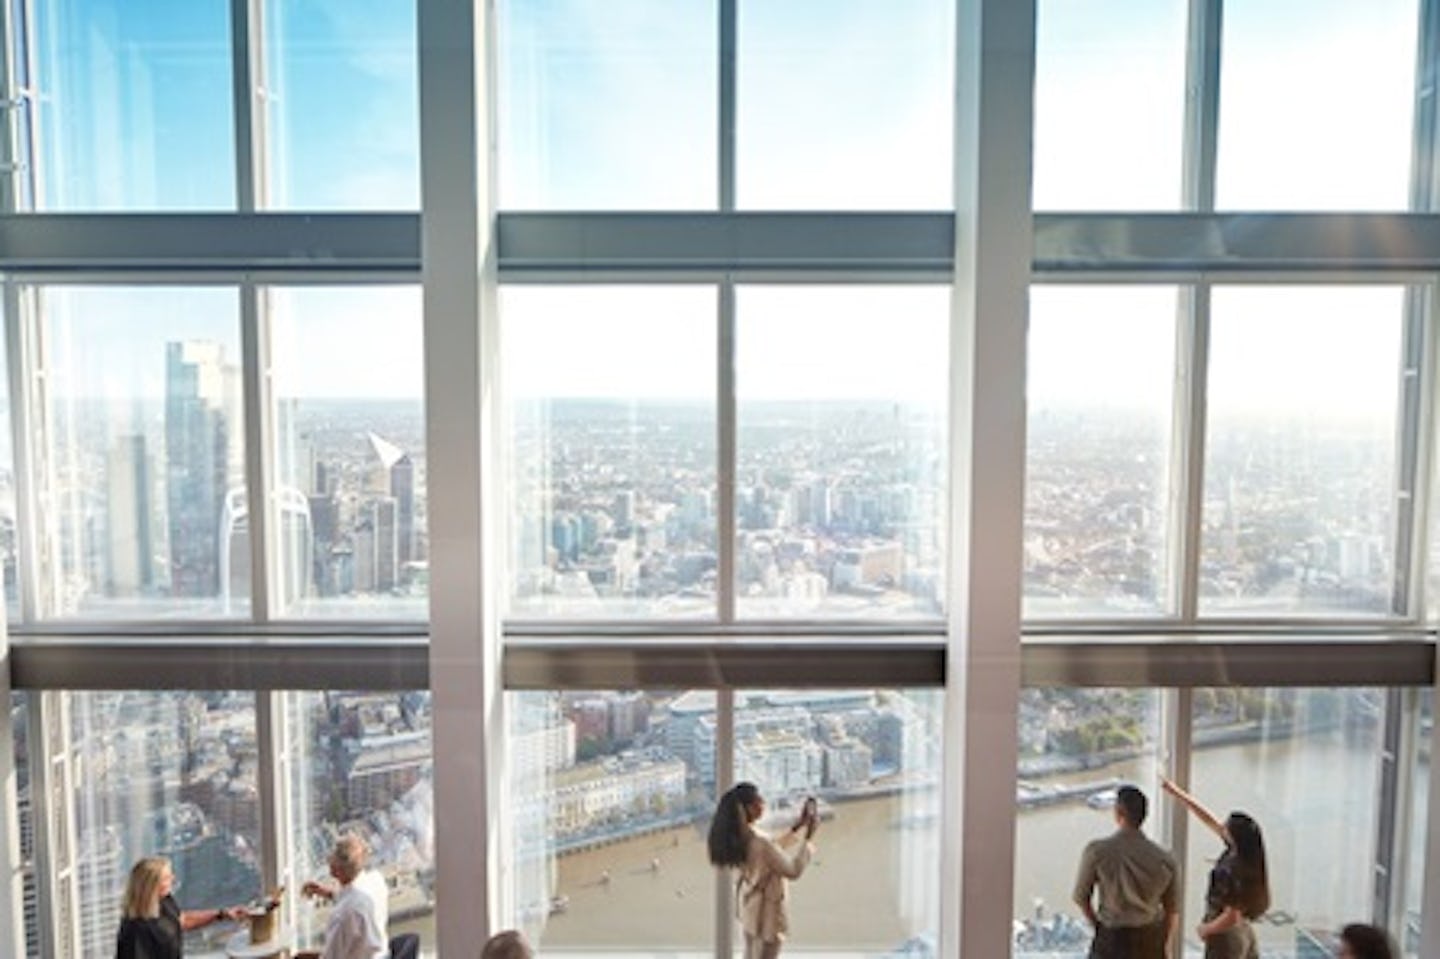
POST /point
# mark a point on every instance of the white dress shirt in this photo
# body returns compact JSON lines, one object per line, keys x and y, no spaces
{"x":352,"y":932}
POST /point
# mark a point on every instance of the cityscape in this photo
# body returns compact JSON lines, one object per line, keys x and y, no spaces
{"x":610,"y":793}
{"x":839,"y":514}
{"x":839,"y":509}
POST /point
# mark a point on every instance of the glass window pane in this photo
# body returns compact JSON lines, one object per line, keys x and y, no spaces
{"x":9,"y":545}
{"x":134,"y":105}
{"x":845,"y":104}
{"x":1300,"y":451}
{"x":872,"y":757}
{"x":611,"y":793}
{"x":170,"y":774}
{"x":141,"y":483}
{"x":1317,"y":99}
{"x":1265,"y":752}
{"x":1415,"y":850}
{"x":1077,"y":747}
{"x":840,"y":492}
{"x":361,"y":763}
{"x":1109,"y":104}
{"x":608,"y":105}
{"x":1100,"y":385}
{"x":350,"y":451}
{"x":342,"y":126}
{"x":611,"y":410}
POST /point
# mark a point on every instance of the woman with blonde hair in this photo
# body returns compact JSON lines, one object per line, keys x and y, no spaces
{"x":764,"y":864}
{"x":152,"y":924}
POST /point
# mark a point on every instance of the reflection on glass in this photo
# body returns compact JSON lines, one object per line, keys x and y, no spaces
{"x":169,"y":774}
{"x":611,"y":793}
{"x":845,"y":104}
{"x":349,"y":515}
{"x":25,"y":817}
{"x":361,"y":763}
{"x":1298,"y":131}
{"x":142,"y":487}
{"x":133,"y":107}
{"x":1300,"y":451}
{"x":840,"y":487}
{"x":1077,"y":747}
{"x":1109,"y":104}
{"x":1099,"y":392}
{"x":342,"y":129}
{"x":1305,"y":763}
{"x":611,"y":405}
{"x":872,"y":757}
{"x":608,"y":105}
{"x":9,"y":568}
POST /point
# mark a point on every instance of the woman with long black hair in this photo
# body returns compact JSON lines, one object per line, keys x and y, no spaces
{"x":1239,"y":888}
{"x":764,"y":864}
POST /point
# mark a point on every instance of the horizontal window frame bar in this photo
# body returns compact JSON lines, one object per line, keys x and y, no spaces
{"x":237,"y":664}
{"x":392,"y":663}
{"x":754,"y":247}
{"x":199,"y":242}
{"x":1218,"y":245}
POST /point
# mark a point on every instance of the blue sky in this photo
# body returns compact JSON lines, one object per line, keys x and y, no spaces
{"x":841,"y":103}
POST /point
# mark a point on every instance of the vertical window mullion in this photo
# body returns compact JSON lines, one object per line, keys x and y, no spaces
{"x":265,"y":601}
{"x":20,"y":324}
{"x":12,"y":100}
{"x":12,"y":910}
{"x":270,"y":725}
{"x":729,"y":33}
{"x":1202,"y":104}
{"x":1179,"y":712}
{"x":246,"y":58}
{"x":48,"y":724}
{"x":1188,"y":463}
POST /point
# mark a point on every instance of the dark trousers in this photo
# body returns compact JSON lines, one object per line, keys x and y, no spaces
{"x":1129,"y":942}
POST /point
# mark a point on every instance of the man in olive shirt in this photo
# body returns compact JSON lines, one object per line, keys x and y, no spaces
{"x":1136,"y":915}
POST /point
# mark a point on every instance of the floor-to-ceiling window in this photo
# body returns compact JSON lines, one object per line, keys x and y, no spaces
{"x":726,"y":455}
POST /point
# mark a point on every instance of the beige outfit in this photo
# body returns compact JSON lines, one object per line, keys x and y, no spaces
{"x":762,"y":887}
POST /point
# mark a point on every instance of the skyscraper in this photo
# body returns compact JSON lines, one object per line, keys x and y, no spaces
{"x":391,"y":473}
{"x":130,"y":563}
{"x":197,"y":444}
{"x":387,"y":550}
{"x":402,"y":487}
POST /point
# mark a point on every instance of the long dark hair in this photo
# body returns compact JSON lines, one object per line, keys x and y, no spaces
{"x":728,"y":836}
{"x":1247,"y":848}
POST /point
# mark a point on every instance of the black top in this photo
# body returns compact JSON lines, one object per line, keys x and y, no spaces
{"x":1226,"y":886}
{"x":159,"y":938}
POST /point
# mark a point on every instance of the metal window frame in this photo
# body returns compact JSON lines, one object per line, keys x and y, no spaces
{"x":1193,"y":249}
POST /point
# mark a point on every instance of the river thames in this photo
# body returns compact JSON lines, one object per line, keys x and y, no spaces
{"x":872,"y":885}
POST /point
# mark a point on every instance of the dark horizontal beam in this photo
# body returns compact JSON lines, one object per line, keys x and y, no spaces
{"x":329,"y":662}
{"x":605,"y":245}
{"x":210,"y":242}
{"x":761,"y":242}
{"x":1236,"y":243}
{"x":250,"y":664}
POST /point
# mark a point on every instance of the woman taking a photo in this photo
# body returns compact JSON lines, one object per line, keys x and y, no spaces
{"x":1239,"y":889}
{"x":152,"y":925}
{"x":764,"y":864}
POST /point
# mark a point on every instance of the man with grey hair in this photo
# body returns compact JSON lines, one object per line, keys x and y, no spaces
{"x":369,"y":881}
{"x":356,"y":928}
